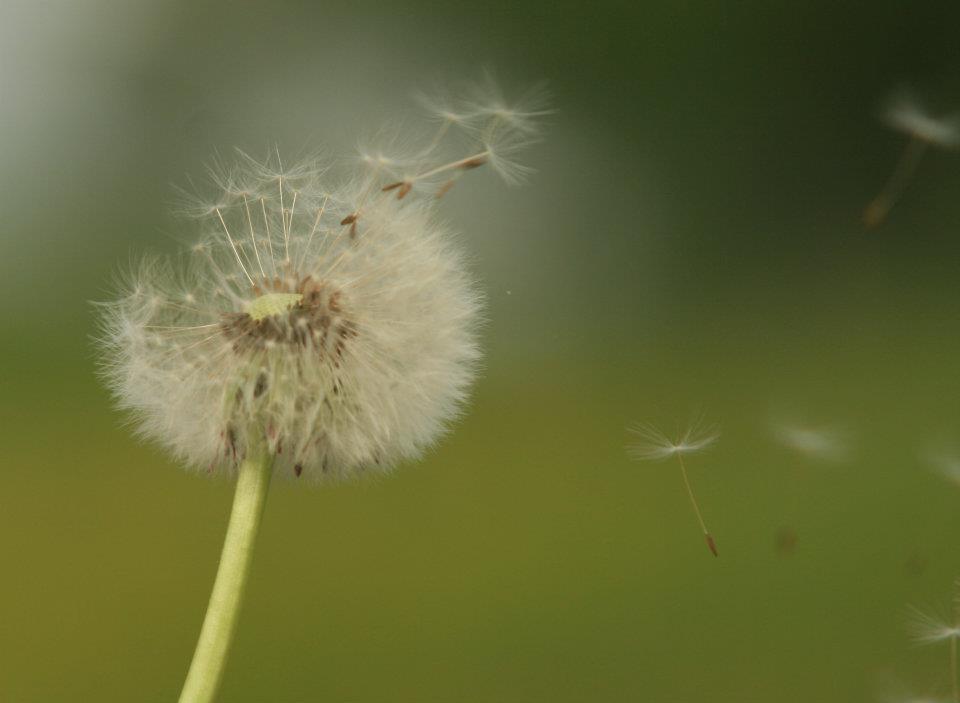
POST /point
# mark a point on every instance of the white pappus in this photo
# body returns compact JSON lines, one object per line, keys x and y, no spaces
{"x":333,"y":327}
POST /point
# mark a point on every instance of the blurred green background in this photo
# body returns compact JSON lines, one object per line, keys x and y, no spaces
{"x":690,"y":243}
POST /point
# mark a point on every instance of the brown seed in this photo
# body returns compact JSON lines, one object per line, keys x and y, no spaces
{"x":711,"y":544}
{"x":473,"y":163}
{"x":304,"y":282}
{"x":916,"y":564}
{"x":334,"y":302}
{"x":260,"y":386}
{"x":445,"y":188}
{"x":232,"y":442}
{"x":786,"y":540}
{"x":874,"y":214}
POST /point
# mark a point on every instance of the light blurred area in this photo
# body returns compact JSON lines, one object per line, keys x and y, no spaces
{"x":690,"y":243}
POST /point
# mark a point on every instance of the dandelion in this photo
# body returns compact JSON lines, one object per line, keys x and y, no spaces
{"x":314,"y":330}
{"x":905,"y":115}
{"x":653,"y":445}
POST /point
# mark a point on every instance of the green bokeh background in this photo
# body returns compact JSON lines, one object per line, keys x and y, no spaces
{"x":691,"y":243}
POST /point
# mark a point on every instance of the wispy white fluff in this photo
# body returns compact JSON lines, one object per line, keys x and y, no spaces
{"x":333,"y":326}
{"x":929,"y":628}
{"x":820,"y":443}
{"x":897,"y":692}
{"x":653,"y":444}
{"x":906,"y":115}
{"x":495,"y":129}
{"x":946,"y":464}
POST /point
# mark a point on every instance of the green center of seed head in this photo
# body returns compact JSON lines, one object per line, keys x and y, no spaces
{"x":272,"y":304}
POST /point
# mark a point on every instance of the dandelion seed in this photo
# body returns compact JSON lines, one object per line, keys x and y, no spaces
{"x":653,"y":445}
{"x":906,"y":116}
{"x":926,"y":628}
{"x":946,"y":465}
{"x":902,"y":695}
{"x":491,"y":112}
{"x":786,"y":540}
{"x":820,"y":443}
{"x":915,"y":563}
{"x":490,"y":131}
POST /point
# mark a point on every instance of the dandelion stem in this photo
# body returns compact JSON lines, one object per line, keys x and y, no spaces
{"x":253,"y":240}
{"x":233,"y":246}
{"x":696,"y":508}
{"x":466,"y":162}
{"x":209,"y":659}
{"x":953,"y":670}
{"x":876,"y":211}
{"x":437,"y":137}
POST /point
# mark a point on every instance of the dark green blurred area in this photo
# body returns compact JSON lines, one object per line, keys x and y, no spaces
{"x":691,"y":242}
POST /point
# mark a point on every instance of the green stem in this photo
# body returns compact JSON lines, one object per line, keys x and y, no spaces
{"x":878,"y":208}
{"x":209,"y":659}
{"x":953,"y":669}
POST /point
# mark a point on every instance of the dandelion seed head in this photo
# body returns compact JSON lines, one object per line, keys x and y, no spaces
{"x":344,"y":351}
{"x":331,"y":322}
